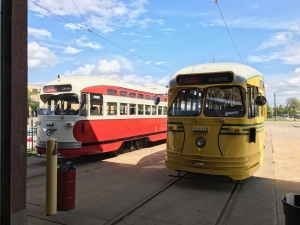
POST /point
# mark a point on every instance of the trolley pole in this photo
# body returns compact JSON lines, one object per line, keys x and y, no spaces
{"x":51,"y":177}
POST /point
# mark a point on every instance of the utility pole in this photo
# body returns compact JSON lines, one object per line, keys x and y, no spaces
{"x":275,"y":105}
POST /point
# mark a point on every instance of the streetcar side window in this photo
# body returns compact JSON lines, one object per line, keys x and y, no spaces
{"x":159,"y":110}
{"x":140,"y":109}
{"x":165,"y":109}
{"x":132,"y":109}
{"x":224,"y":101}
{"x":147,"y":109}
{"x":96,"y":102}
{"x":252,"y":94}
{"x":111,"y":92}
{"x":123,"y":93}
{"x":154,"y":111}
{"x":123,"y":109}
{"x":187,"y":103}
{"x":111,"y":108}
{"x":132,"y":94}
{"x":83,"y":111}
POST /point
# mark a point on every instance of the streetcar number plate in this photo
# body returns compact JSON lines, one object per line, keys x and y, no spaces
{"x":200,"y":129}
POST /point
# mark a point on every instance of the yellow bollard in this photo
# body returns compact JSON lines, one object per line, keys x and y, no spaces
{"x":51,"y":177}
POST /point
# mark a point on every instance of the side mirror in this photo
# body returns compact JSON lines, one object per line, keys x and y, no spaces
{"x":156,"y":100}
{"x":260,"y":100}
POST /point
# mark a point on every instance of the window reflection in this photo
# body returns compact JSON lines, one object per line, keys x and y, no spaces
{"x":225,"y":101}
{"x":187,"y":103}
{"x":66,"y":104}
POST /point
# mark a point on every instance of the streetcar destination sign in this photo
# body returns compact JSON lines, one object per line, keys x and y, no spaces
{"x":214,"y":78}
{"x":57,"y":88}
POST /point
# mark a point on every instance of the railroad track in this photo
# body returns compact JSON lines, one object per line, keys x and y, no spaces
{"x":148,"y":198}
{"x":224,"y":215}
{"x":221,"y":220}
{"x":180,"y":180}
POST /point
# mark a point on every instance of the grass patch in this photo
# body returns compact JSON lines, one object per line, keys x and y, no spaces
{"x":282,"y":120}
{"x":31,"y":153}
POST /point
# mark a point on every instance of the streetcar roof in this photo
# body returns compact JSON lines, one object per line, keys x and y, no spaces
{"x":241,"y":72}
{"x":81,"y":82}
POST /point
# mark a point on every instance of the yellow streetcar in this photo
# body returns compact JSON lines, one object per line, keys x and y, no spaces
{"x":216,"y":115}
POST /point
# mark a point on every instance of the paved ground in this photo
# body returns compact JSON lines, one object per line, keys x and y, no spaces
{"x":107,"y":187}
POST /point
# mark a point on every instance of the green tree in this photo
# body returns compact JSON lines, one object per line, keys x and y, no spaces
{"x":294,"y":105}
{"x":33,"y":105}
{"x":269,"y":111}
{"x":279,"y":110}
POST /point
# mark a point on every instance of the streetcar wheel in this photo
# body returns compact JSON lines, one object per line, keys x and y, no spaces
{"x":127,"y":147}
{"x":139,"y":144}
{"x":118,"y":151}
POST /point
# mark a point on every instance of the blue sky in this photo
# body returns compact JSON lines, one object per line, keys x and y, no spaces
{"x":142,"y":41}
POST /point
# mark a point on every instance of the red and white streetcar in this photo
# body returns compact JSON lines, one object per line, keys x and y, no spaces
{"x":90,"y":115}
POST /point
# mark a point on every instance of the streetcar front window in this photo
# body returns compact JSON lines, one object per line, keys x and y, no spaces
{"x":187,"y":103}
{"x":64,"y":104}
{"x":223,"y":101}
{"x":49,"y":105}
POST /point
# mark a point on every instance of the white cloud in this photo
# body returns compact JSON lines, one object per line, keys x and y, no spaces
{"x":103,"y":67}
{"x":72,"y":26}
{"x":289,"y":55}
{"x":169,"y":29}
{"x":286,"y":48}
{"x":71,"y":50}
{"x":39,"y":33}
{"x":90,"y":44}
{"x":160,"y":63}
{"x":283,"y":85}
{"x":117,"y":69}
{"x":272,"y":23}
{"x":125,"y":63}
{"x":106,"y":67}
{"x":129,"y":33}
{"x":104,"y":16}
{"x":85,"y":70}
{"x":141,"y":80}
{"x":39,"y":56}
{"x":279,"y":38}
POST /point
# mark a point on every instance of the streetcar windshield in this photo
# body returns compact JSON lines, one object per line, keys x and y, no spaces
{"x":187,"y":103}
{"x":223,"y":101}
{"x":63,"y":104}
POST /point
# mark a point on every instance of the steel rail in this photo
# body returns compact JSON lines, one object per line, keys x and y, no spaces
{"x":227,"y":208}
{"x":145,"y":200}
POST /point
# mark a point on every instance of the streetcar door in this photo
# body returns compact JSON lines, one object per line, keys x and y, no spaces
{"x":84,"y":105}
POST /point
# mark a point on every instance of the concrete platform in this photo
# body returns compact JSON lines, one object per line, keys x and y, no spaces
{"x":107,"y":187}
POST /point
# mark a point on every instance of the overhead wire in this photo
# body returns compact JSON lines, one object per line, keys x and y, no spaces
{"x":100,"y":36}
{"x":216,"y":1}
{"x":80,"y":15}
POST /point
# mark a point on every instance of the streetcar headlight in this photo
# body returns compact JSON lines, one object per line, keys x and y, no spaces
{"x":200,"y":142}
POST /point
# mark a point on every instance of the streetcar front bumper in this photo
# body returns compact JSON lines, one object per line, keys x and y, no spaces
{"x":61,"y":145}
{"x":237,"y":168}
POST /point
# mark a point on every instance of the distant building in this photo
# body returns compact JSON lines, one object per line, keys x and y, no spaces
{"x":37,"y":89}
{"x":36,"y":98}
